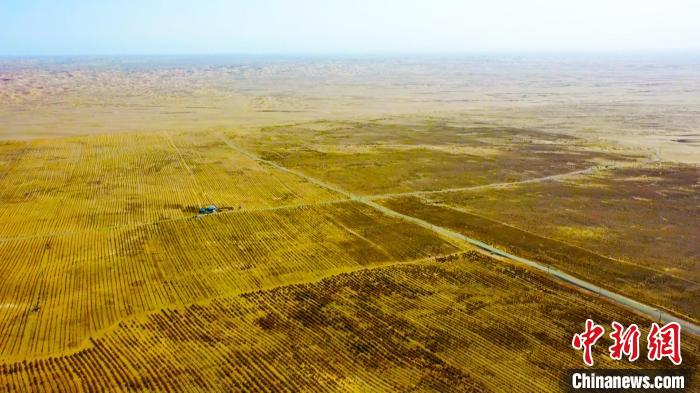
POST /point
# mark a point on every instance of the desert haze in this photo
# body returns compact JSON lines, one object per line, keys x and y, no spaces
{"x":647,"y":101}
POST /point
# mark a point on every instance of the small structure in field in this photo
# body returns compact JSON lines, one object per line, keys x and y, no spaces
{"x":208,"y":209}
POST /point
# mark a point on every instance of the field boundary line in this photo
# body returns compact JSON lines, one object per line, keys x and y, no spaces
{"x":586,"y":171}
{"x":349,"y":269}
{"x":652,"y":312}
{"x":556,"y":177}
{"x":655,"y":313}
{"x":202,"y":194}
{"x":370,"y":242}
{"x":174,"y":219}
{"x":459,"y":209}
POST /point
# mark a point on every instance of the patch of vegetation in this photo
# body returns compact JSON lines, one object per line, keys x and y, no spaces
{"x":372,"y":158}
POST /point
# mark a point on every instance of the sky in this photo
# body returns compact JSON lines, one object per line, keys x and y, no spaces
{"x":87,"y":27}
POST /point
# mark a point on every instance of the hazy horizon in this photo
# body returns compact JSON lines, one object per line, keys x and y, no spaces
{"x":606,"y":54}
{"x":312,"y":27}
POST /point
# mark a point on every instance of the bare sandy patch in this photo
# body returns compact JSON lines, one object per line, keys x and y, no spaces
{"x":581,"y":233}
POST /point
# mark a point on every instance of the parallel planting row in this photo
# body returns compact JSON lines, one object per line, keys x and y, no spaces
{"x":466,"y":324}
{"x":102,"y":181}
{"x":58,"y":291}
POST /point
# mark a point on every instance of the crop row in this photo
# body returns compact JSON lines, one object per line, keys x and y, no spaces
{"x":57,"y":291}
{"x":66,"y":185}
{"x":470,"y":324}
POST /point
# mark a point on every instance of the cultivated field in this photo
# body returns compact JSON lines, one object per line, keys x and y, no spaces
{"x":51,"y":187}
{"x":336,"y":260}
{"x":465,"y":323}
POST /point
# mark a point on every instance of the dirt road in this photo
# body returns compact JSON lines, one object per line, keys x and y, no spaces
{"x":651,"y":312}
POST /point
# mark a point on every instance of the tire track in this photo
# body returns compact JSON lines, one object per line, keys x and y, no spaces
{"x":652,"y":312}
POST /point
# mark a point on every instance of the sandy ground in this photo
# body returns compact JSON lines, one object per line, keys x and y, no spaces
{"x":650,"y":104}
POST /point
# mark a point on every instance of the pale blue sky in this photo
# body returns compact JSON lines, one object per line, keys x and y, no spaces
{"x":54,"y":27}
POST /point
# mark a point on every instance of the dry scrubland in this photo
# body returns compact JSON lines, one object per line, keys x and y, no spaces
{"x":109,"y":280}
{"x":630,"y":230}
{"x":377,"y":158}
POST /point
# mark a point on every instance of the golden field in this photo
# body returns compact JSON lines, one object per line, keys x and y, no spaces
{"x":331,"y":263}
{"x":466,"y":324}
